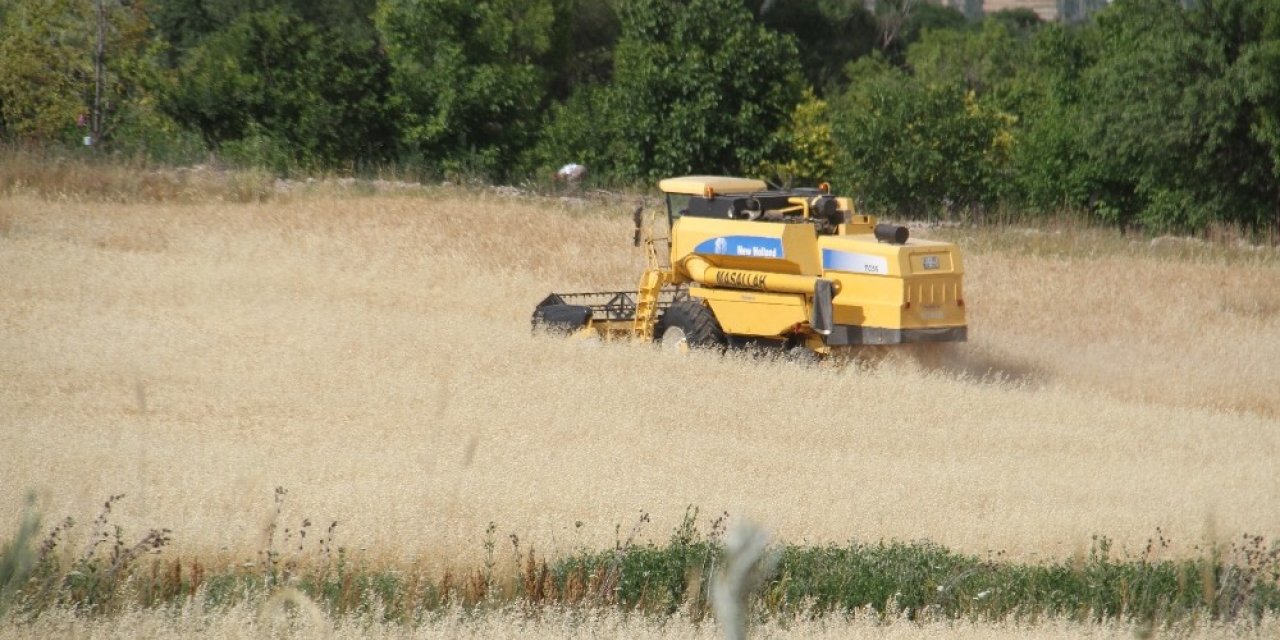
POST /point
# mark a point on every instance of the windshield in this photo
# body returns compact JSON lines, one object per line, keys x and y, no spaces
{"x":677,"y":204}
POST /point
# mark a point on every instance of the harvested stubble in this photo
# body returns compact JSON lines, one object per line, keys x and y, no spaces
{"x":373,"y":355}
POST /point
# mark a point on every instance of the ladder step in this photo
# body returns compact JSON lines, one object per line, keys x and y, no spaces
{"x":651,"y":283}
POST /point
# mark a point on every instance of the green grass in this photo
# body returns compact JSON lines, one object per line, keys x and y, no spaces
{"x":916,"y":580}
{"x":925,"y":579}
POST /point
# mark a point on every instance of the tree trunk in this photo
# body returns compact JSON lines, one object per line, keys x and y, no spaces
{"x":99,"y":71}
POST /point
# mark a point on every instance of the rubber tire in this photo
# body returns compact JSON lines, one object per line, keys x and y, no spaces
{"x":701,"y":331}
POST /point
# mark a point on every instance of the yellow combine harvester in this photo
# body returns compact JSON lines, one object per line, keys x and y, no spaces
{"x":797,"y":269}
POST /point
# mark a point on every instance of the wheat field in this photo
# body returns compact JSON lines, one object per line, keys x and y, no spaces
{"x":372,"y":355}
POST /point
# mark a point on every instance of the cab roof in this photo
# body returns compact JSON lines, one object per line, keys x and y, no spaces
{"x":697,"y":185}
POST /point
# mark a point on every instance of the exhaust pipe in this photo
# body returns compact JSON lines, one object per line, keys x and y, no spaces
{"x":892,"y":233}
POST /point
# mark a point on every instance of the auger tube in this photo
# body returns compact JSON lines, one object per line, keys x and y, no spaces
{"x":821,"y":289}
{"x":704,"y":272}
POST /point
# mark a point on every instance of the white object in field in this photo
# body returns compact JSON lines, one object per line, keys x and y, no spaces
{"x":88,"y":141}
{"x":572,"y":172}
{"x":748,"y":562}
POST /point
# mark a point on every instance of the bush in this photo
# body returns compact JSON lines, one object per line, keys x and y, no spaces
{"x":915,"y":149}
{"x":697,"y":87}
{"x":804,"y":149}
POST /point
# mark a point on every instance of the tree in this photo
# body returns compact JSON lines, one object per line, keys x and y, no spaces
{"x":274,"y":89}
{"x":804,"y":149}
{"x":185,"y":23}
{"x":697,"y":86}
{"x":903,"y":22}
{"x":1256,"y":86}
{"x":1020,"y":20}
{"x":75,"y":68}
{"x":581,"y":55}
{"x":46,"y":69}
{"x":982,"y":60}
{"x":829,"y":34}
{"x":1050,"y":164}
{"x":466,"y":77}
{"x":917,"y":149}
{"x":1180,"y":100}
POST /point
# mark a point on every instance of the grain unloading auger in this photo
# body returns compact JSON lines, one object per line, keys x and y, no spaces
{"x":796,"y":269}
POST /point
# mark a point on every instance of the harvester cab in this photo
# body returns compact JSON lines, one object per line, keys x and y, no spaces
{"x":797,"y":268}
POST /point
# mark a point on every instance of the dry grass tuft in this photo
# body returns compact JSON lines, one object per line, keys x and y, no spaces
{"x":288,"y":609}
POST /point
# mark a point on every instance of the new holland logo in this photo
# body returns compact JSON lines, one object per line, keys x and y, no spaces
{"x":745,"y":246}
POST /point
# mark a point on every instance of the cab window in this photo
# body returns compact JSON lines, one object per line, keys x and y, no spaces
{"x":677,"y":205}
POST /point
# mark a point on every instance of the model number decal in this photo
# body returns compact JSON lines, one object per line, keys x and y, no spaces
{"x":854,"y":262}
{"x":930,"y":262}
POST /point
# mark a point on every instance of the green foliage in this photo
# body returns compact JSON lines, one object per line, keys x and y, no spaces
{"x":1020,"y":20}
{"x":1157,"y":114}
{"x":47,"y":84}
{"x":982,"y":60}
{"x":1168,"y":126}
{"x":95,"y":581}
{"x":146,"y":131}
{"x":658,"y":578}
{"x":1226,"y":582}
{"x":258,"y":147}
{"x":576,"y":130}
{"x":923,"y":578}
{"x":697,"y":86}
{"x":44,"y":74}
{"x":805,"y":149}
{"x":917,"y":149}
{"x":903,"y":22}
{"x":276,"y":91}
{"x":1258,"y":87}
{"x":1050,"y":168}
{"x":828,"y":35}
{"x":17,"y":558}
{"x":465,"y":77}
{"x":582,"y":52}
{"x":183,"y":24}
{"x":926,"y":16}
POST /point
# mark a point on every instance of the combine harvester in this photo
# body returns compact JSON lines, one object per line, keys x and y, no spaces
{"x":796,"y":270}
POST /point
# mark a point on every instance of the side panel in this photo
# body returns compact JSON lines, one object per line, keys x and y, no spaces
{"x":754,"y":313}
{"x":867,"y":300}
{"x":934,"y":301}
{"x":749,"y":245}
{"x":912,"y":286}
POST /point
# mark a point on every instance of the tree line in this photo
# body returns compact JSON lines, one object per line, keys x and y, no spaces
{"x":1163,"y":114}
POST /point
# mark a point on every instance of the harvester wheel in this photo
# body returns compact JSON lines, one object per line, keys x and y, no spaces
{"x":803,"y":355}
{"x":689,"y":324}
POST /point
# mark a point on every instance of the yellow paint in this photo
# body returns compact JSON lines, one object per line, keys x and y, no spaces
{"x":760,"y":280}
{"x":755,"y":314}
{"x":698,"y":185}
